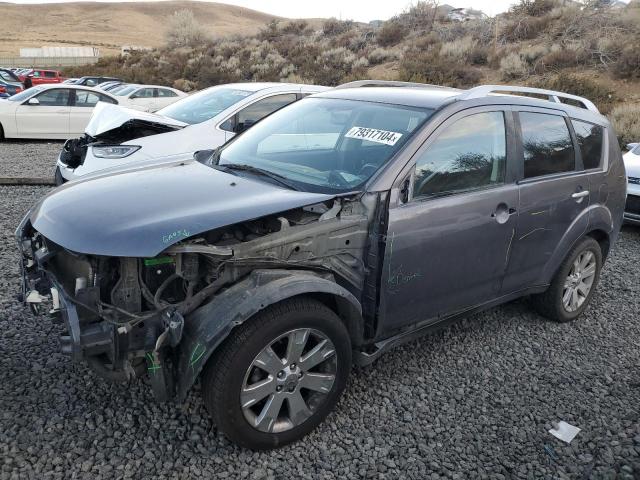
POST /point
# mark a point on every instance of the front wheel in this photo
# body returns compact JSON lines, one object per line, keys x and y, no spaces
{"x":279,"y":375}
{"x":573,"y":286}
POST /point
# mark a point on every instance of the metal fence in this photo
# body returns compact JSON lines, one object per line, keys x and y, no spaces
{"x":46,"y":62}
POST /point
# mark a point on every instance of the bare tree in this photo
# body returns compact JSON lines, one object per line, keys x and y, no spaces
{"x":184,"y":30}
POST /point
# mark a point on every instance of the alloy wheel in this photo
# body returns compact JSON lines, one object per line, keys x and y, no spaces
{"x":288,"y":380}
{"x":579,"y":281}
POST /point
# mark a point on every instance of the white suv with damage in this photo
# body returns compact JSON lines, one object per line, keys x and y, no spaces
{"x":118,"y":136}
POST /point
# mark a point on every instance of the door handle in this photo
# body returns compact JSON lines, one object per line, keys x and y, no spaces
{"x":502,"y":213}
{"x":580,"y":195}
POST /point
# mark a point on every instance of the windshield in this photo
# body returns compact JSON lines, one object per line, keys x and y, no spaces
{"x":28,"y":93}
{"x":203,"y":106}
{"x":326,"y":145}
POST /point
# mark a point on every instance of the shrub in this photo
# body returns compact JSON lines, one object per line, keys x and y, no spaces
{"x":381,"y":55}
{"x":626,"y":122}
{"x":429,"y":67}
{"x":534,"y":8}
{"x":391,"y":33}
{"x":458,"y":49}
{"x":512,"y":66}
{"x":628,"y":63}
{"x":184,"y":84}
{"x":333,"y":26}
{"x":184,"y":30}
{"x":333,"y":65}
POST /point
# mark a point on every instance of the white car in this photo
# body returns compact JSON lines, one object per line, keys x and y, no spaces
{"x":52,"y":111}
{"x":147,"y":98}
{"x":205,"y":120}
{"x":632,"y":165}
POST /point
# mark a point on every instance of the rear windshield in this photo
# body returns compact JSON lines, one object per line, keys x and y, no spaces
{"x":326,"y":145}
{"x":205,"y":105}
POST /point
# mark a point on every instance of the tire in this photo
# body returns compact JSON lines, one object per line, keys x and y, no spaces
{"x":1,"y":132}
{"x":550,"y":303}
{"x":232,"y":370}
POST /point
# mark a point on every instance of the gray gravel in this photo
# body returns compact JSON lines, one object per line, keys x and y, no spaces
{"x":473,"y":401}
{"x":34,"y":159}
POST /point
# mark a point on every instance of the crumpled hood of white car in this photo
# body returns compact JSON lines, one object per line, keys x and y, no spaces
{"x":107,"y":117}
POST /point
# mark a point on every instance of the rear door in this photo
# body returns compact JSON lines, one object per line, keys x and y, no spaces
{"x":554,"y":191}
{"x":163,"y":97}
{"x":446,"y":247}
{"x":142,"y":99}
{"x":49,"y":118}
{"x":82,"y":108}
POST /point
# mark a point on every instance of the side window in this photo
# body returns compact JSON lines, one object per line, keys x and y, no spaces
{"x":143,"y":93}
{"x":49,"y":74}
{"x":91,"y":82}
{"x":590,"y":141}
{"x":163,"y":92}
{"x":104,"y":98}
{"x":547,"y":144}
{"x":257,"y":111}
{"x":36,"y":74}
{"x":54,"y":98}
{"x":85,"y":98}
{"x":469,"y":154}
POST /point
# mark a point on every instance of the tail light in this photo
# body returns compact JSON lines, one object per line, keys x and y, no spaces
{"x":3,"y":89}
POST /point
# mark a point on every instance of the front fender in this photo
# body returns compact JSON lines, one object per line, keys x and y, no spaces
{"x":208,"y":326}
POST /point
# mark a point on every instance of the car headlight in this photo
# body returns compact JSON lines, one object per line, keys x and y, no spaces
{"x":117,"y":151}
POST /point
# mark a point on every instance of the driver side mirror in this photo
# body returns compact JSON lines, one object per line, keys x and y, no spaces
{"x":33,"y":101}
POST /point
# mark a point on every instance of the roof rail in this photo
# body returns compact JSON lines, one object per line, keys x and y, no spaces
{"x":553,"y":96}
{"x":388,"y":83}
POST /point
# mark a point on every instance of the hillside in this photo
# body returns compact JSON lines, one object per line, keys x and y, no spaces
{"x":111,"y":25}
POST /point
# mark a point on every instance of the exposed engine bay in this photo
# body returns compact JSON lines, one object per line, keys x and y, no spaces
{"x":74,"y":150}
{"x":131,"y":312}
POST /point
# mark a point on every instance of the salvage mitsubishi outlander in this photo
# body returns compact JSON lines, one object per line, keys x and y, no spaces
{"x":334,"y":229}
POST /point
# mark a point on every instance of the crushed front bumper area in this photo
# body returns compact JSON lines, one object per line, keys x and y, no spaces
{"x":117,"y":351}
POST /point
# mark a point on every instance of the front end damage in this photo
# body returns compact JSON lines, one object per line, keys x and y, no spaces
{"x":161,"y":317}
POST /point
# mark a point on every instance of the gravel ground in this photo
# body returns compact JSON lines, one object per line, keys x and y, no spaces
{"x":29,"y":158}
{"x":473,"y":401}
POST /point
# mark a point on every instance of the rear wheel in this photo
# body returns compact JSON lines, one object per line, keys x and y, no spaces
{"x":573,"y":286}
{"x":278,"y":375}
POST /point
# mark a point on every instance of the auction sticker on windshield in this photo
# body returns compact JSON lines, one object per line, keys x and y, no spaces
{"x":374,"y":135}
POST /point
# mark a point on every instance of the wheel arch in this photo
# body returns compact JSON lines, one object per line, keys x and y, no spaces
{"x":207,"y":328}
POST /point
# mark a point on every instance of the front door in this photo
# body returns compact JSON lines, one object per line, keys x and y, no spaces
{"x":448,"y":246}
{"x":48,"y":118}
{"x":554,"y":192}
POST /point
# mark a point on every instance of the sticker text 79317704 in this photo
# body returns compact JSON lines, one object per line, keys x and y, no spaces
{"x":374,"y":135}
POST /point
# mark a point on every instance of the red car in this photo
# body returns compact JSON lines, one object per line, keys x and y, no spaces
{"x":39,"y":77}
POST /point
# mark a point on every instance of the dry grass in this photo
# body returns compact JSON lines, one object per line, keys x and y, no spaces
{"x":111,"y":25}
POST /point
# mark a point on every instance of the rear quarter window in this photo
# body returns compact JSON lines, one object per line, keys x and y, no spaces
{"x":590,"y":141}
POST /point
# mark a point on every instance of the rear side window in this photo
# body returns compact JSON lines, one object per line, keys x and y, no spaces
{"x":547,"y":144}
{"x":85,"y":98}
{"x":49,"y":74}
{"x":163,"y":92}
{"x":469,"y":154}
{"x":590,"y":141}
{"x":257,"y":111}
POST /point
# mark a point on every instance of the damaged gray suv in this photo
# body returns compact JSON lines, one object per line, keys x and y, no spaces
{"x":334,"y":229}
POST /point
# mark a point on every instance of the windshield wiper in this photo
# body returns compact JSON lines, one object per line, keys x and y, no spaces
{"x":282,"y":180}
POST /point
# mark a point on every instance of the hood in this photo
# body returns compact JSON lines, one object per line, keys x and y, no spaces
{"x":112,"y":122}
{"x":141,"y":213}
